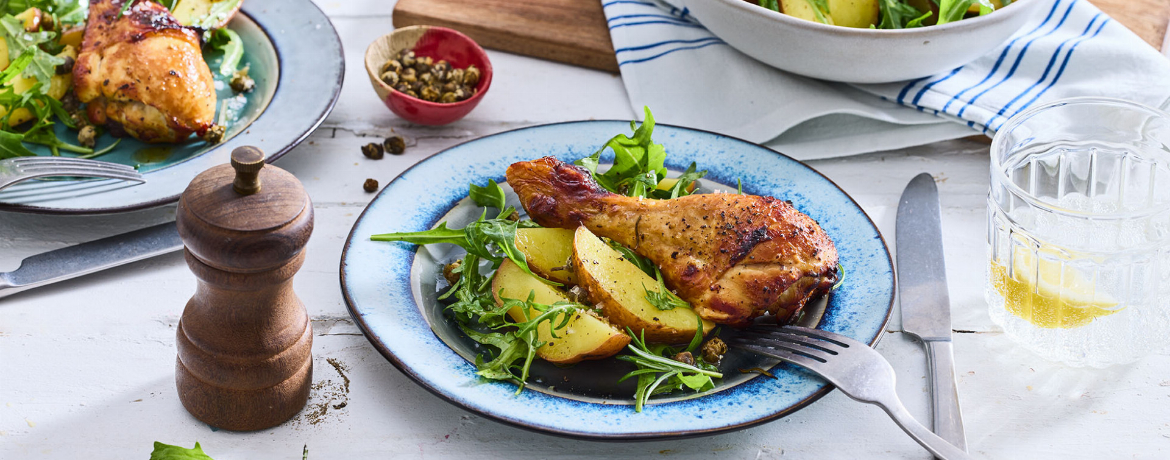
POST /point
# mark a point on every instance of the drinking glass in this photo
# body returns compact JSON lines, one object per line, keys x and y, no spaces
{"x":1078,"y":231}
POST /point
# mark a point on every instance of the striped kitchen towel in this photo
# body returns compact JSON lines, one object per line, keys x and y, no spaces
{"x":690,"y":77}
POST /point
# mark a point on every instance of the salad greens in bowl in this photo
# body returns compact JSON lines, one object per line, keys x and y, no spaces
{"x":863,"y":41}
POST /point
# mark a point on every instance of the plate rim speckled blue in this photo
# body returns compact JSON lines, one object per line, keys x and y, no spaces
{"x":379,"y":295}
{"x":311,"y":64}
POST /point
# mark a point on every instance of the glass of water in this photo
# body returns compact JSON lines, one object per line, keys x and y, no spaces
{"x":1079,"y":231}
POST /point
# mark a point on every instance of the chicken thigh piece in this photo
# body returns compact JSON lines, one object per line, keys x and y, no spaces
{"x":733,"y":257}
{"x":144,"y":71}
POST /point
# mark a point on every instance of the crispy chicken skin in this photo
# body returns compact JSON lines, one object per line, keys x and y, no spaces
{"x":144,"y":71}
{"x":733,"y":257}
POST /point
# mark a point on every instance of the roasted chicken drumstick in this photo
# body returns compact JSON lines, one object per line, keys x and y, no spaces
{"x":733,"y":257}
{"x":144,"y":71}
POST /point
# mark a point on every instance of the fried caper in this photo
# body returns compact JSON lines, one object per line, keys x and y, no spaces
{"x":430,"y":93}
{"x":395,"y":145}
{"x":87,"y":136}
{"x":471,"y":76}
{"x":392,"y":65}
{"x":370,"y":185}
{"x":372,"y":151}
{"x":390,"y":78}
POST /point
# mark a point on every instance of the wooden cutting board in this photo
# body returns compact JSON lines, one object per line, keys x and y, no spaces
{"x":575,"y":31}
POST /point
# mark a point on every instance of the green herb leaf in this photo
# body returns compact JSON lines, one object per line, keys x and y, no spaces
{"x":169,"y":452}
{"x":660,"y":374}
{"x":821,"y":10}
{"x":771,"y":5}
{"x":491,"y":196}
{"x":644,"y":264}
{"x":663,"y":298}
{"x":43,"y":65}
{"x":897,"y":14}
{"x":633,"y":157}
{"x":11,"y":145}
{"x":228,"y":42}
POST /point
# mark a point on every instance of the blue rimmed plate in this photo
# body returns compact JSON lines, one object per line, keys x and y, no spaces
{"x":390,"y":288}
{"x":296,"y":59}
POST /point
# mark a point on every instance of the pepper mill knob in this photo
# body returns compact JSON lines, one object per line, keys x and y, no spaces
{"x":244,"y":341}
{"x":247,"y":161}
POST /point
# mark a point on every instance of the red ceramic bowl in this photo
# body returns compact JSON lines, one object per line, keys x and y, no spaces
{"x":436,"y":43}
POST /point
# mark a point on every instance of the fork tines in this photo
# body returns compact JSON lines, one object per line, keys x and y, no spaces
{"x":26,"y":163}
{"x":64,"y":167}
{"x":785,"y":342}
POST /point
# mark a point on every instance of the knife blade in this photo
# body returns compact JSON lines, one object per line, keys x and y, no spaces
{"x":925,"y":305}
{"x":82,"y":259}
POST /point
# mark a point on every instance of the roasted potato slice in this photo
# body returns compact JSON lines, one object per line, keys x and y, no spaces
{"x":585,"y":336}
{"x":846,"y":13}
{"x":549,"y":252}
{"x":206,"y":14}
{"x":619,"y":287}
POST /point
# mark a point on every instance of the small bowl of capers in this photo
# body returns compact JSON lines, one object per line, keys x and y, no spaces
{"x":428,"y":75}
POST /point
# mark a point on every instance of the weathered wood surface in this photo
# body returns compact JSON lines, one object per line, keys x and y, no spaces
{"x":88,"y":365}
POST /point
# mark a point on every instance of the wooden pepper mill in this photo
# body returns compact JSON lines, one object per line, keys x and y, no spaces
{"x":244,"y":340}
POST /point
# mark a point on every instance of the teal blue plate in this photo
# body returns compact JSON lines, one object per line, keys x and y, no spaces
{"x":282,"y":39}
{"x":390,"y":289}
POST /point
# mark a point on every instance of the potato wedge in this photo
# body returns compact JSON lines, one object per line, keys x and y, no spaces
{"x":845,"y":13}
{"x":584,"y":337}
{"x":197,"y":12}
{"x":801,"y":9}
{"x":549,"y":252}
{"x":619,"y":287}
{"x":854,"y":13}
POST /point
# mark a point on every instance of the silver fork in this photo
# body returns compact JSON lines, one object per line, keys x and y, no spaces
{"x":13,"y":170}
{"x":855,"y":368}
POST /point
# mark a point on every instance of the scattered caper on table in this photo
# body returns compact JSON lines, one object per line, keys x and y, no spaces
{"x":372,"y":151}
{"x":425,"y":78}
{"x":395,"y":145}
{"x":370,"y":185}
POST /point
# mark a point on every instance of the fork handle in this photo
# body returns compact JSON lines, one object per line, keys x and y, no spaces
{"x":936,"y":445}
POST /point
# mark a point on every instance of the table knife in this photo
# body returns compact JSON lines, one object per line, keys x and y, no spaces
{"x":926,"y":308}
{"x":82,"y":259}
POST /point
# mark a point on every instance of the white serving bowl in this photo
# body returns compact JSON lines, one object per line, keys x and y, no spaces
{"x":856,"y":55}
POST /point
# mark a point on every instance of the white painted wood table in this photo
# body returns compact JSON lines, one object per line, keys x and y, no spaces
{"x":87,"y":366}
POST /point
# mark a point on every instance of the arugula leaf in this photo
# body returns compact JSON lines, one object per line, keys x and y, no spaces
{"x":683,"y":185}
{"x":954,"y":10}
{"x":490,"y":239}
{"x":821,"y":10}
{"x":658,"y":374}
{"x":663,"y":298}
{"x":491,"y":196}
{"x":169,"y":452}
{"x":633,"y":156}
{"x":228,"y":42}
{"x":896,"y":14}
{"x":642,"y":263}
{"x":11,"y":145}
{"x":16,"y":67}
{"x":43,"y":65}
{"x":771,"y":5}
{"x":738,"y":186}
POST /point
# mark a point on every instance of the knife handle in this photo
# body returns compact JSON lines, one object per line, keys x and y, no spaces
{"x":944,"y":392}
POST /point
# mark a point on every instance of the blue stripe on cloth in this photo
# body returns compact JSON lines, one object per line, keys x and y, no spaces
{"x":906,"y":89}
{"x":1019,"y":59}
{"x":668,"y":42}
{"x":1002,"y":56}
{"x":1047,"y":70}
{"x":926,"y":87}
{"x":664,"y":53}
{"x":1060,"y":72}
{"x":671,"y":22}
{"x":660,"y":16}
{"x":635,"y":2}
